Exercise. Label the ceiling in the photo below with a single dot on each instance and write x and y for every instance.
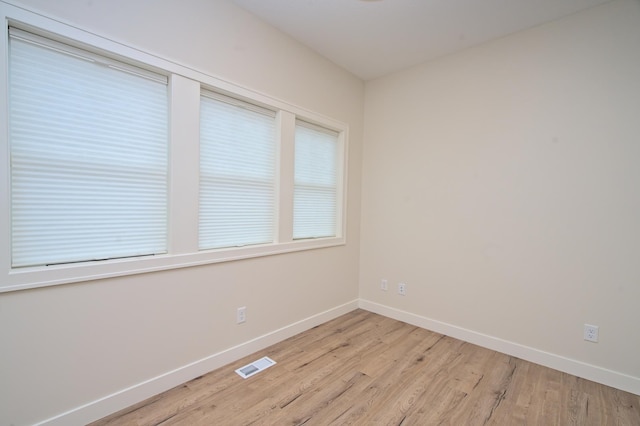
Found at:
(372, 38)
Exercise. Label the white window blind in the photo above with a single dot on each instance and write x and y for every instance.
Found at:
(88, 145)
(315, 181)
(237, 173)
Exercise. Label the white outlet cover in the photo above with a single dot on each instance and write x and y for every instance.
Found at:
(241, 315)
(591, 333)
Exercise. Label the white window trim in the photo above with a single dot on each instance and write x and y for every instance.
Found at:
(185, 87)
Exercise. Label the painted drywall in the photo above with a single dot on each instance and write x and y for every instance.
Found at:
(501, 185)
(66, 346)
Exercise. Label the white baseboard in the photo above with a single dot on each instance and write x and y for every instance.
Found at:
(126, 397)
(577, 368)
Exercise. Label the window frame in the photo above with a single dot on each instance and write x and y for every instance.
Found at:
(185, 86)
(88, 172)
(338, 176)
(256, 183)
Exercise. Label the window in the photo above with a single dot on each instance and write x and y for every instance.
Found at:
(88, 147)
(119, 162)
(237, 173)
(316, 179)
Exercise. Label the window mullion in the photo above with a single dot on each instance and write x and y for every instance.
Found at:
(184, 161)
(286, 126)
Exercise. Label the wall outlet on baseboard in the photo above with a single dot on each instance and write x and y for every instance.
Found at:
(241, 315)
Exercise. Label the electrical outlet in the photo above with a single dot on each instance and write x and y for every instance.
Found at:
(384, 285)
(591, 333)
(241, 315)
(402, 289)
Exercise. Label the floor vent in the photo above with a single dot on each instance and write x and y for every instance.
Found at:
(255, 367)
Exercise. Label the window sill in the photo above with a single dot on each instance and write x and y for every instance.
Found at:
(44, 276)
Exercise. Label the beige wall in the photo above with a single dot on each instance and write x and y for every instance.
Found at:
(502, 185)
(65, 346)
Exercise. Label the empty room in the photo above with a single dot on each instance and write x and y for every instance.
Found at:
(274, 212)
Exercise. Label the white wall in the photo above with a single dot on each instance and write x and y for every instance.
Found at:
(66, 346)
(502, 185)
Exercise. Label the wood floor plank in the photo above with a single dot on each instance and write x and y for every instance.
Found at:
(314, 407)
(365, 369)
(404, 371)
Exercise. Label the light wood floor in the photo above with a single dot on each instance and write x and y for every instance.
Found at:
(365, 369)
